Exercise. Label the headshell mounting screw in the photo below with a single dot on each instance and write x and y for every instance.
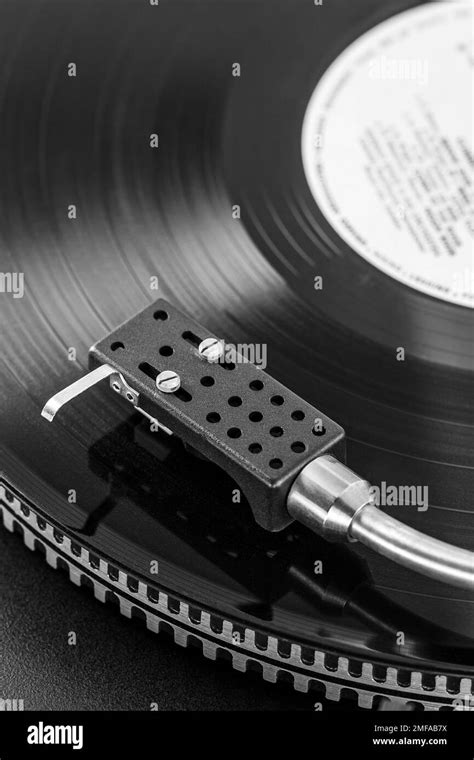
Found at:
(168, 381)
(211, 349)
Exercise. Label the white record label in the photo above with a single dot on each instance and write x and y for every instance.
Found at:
(387, 148)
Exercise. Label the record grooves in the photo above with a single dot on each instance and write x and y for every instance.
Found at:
(168, 213)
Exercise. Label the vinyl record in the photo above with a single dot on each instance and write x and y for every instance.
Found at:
(167, 145)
